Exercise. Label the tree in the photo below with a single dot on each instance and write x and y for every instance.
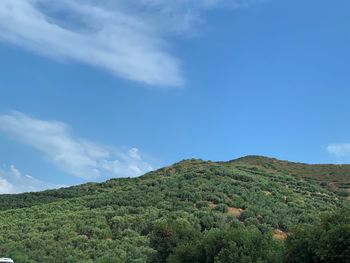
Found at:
(167, 235)
(328, 241)
(239, 245)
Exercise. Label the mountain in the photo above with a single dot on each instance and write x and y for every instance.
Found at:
(150, 218)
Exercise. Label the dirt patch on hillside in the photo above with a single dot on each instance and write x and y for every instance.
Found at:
(212, 205)
(279, 234)
(234, 211)
(230, 210)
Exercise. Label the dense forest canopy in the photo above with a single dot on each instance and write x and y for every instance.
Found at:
(253, 209)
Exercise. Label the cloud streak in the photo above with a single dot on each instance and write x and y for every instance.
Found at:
(129, 38)
(76, 156)
(339, 150)
(12, 181)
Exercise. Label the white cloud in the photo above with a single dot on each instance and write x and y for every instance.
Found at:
(76, 156)
(5, 186)
(126, 37)
(12, 181)
(339, 150)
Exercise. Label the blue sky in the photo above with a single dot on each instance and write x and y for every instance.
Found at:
(94, 91)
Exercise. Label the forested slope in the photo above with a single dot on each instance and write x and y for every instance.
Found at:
(156, 217)
(335, 176)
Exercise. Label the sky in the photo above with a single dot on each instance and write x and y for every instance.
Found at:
(92, 90)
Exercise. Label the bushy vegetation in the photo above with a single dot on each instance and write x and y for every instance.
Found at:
(335, 176)
(193, 211)
(327, 241)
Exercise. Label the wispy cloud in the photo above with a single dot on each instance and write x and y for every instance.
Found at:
(340, 150)
(129, 38)
(5, 186)
(12, 181)
(76, 156)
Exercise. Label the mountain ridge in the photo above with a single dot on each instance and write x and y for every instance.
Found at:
(123, 218)
(337, 181)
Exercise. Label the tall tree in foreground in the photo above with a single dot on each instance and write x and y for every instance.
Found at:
(328, 241)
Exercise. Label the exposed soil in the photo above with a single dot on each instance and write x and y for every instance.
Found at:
(212, 205)
(279, 234)
(234, 211)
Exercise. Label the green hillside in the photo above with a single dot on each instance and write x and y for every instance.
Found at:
(155, 218)
(335, 176)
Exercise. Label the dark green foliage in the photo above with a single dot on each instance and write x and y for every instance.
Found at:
(239, 245)
(327, 241)
(167, 235)
(193, 211)
(343, 193)
(49, 196)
